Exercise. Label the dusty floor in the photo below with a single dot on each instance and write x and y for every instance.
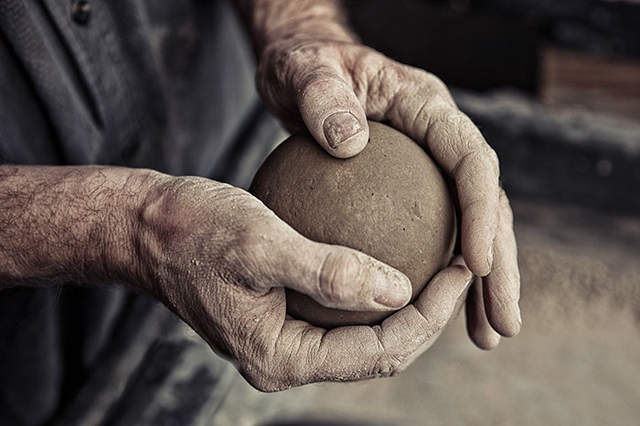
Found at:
(577, 360)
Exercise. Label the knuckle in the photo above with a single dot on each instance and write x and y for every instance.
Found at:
(457, 124)
(506, 207)
(361, 67)
(479, 158)
(339, 275)
(437, 324)
(492, 158)
(439, 102)
(319, 80)
(435, 85)
(446, 126)
(387, 365)
(451, 117)
(384, 85)
(388, 72)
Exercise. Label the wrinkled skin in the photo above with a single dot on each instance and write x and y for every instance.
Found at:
(332, 87)
(220, 259)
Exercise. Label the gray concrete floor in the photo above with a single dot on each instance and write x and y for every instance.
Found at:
(576, 361)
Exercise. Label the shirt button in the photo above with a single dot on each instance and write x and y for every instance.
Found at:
(81, 11)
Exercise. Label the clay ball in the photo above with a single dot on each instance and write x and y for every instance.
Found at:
(390, 202)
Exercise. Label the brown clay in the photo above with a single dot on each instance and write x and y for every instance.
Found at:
(390, 202)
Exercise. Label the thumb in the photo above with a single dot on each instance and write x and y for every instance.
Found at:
(342, 278)
(333, 114)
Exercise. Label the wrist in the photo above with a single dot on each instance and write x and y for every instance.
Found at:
(164, 222)
(125, 237)
(277, 22)
(68, 224)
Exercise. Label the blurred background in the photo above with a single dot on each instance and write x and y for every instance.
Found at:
(555, 88)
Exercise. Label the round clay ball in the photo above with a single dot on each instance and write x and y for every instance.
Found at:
(390, 202)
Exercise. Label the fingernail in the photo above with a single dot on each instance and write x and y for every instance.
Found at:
(392, 291)
(471, 280)
(519, 316)
(490, 259)
(339, 127)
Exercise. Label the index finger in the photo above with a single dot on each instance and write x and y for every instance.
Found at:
(423, 109)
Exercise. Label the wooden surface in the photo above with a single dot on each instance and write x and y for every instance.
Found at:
(590, 82)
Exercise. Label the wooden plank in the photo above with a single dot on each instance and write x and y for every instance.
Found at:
(590, 82)
(571, 157)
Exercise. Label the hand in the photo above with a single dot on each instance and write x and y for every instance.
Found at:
(220, 259)
(331, 87)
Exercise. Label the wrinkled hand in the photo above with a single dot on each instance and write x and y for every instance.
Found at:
(332, 87)
(220, 259)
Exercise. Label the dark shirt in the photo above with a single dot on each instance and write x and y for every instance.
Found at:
(166, 85)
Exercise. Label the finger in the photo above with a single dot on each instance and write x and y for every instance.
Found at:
(459, 260)
(478, 327)
(460, 303)
(502, 285)
(340, 277)
(306, 354)
(332, 113)
(402, 337)
(424, 110)
(431, 310)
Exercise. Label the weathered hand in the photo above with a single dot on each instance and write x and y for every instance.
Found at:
(331, 87)
(220, 259)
